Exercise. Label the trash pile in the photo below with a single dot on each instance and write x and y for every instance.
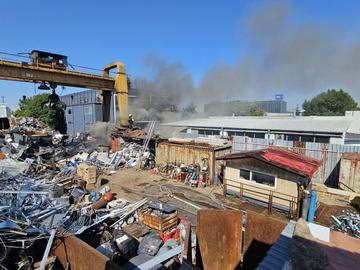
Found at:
(130, 155)
(347, 222)
(194, 175)
(48, 191)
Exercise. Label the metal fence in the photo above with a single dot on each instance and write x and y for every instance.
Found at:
(329, 154)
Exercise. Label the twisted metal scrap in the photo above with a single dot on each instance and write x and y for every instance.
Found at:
(347, 222)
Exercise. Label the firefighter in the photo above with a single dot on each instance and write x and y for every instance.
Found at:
(131, 121)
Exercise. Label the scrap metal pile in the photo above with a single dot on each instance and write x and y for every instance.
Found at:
(347, 222)
(48, 184)
(130, 155)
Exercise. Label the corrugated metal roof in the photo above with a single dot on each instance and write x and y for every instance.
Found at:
(281, 157)
(278, 256)
(333, 124)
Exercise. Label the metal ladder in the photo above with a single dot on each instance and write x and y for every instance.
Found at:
(148, 136)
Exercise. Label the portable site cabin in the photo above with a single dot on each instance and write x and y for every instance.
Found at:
(272, 177)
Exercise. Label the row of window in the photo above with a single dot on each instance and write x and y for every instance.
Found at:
(289, 137)
(258, 177)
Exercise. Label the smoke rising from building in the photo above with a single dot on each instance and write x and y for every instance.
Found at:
(298, 59)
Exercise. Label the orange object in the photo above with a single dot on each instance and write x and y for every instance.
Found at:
(2, 155)
(108, 196)
(174, 234)
(115, 144)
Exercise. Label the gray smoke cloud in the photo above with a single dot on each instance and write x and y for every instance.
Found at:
(167, 90)
(101, 132)
(287, 57)
(298, 59)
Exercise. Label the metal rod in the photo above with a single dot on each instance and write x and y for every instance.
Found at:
(23, 192)
(47, 250)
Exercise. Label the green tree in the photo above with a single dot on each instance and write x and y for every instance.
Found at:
(256, 111)
(31, 107)
(331, 102)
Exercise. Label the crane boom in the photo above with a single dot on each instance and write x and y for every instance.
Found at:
(27, 72)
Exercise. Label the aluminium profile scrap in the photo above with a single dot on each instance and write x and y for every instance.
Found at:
(83, 222)
(26, 211)
(347, 222)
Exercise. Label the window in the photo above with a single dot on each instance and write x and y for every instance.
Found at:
(265, 179)
(258, 177)
(245, 174)
(319, 139)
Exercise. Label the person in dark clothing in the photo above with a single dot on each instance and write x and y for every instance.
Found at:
(131, 121)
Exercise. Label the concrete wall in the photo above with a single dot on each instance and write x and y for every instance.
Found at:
(285, 188)
(325, 194)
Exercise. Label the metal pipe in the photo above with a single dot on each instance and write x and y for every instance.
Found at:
(23, 192)
(305, 206)
(312, 207)
(47, 250)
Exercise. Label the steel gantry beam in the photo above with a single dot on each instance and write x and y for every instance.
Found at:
(24, 72)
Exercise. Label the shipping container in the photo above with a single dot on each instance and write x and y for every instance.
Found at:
(83, 109)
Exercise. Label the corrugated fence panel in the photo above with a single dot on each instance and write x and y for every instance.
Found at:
(329, 154)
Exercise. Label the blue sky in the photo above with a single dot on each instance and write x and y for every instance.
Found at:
(199, 34)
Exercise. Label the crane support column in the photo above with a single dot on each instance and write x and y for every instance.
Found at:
(106, 103)
(121, 89)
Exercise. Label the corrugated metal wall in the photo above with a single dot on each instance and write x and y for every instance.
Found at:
(83, 109)
(329, 154)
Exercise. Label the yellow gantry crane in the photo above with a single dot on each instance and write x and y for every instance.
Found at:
(52, 69)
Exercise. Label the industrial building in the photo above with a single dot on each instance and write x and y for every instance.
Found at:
(323, 129)
(5, 114)
(242, 107)
(83, 109)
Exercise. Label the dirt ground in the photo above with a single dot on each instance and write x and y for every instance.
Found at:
(133, 184)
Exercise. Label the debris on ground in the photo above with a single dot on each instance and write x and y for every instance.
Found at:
(50, 189)
(194, 175)
(347, 222)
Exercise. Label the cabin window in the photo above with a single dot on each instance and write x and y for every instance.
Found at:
(245, 174)
(262, 178)
(258, 177)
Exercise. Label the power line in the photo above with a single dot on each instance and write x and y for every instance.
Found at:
(13, 54)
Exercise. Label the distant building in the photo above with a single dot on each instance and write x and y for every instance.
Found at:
(322, 129)
(5, 114)
(5, 111)
(241, 107)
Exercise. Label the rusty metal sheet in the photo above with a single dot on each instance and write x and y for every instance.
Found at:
(79, 254)
(262, 228)
(261, 232)
(219, 234)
